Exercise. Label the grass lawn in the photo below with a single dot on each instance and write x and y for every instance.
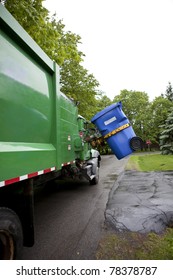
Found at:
(136, 246)
(150, 162)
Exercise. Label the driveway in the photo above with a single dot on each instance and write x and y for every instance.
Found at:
(141, 202)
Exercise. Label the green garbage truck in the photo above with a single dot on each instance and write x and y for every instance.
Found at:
(42, 137)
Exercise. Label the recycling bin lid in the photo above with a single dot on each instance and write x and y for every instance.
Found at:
(107, 109)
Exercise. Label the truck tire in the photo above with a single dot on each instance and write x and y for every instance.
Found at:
(11, 235)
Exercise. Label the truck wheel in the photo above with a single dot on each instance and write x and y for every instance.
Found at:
(95, 180)
(11, 235)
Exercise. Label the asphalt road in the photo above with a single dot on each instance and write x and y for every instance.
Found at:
(69, 218)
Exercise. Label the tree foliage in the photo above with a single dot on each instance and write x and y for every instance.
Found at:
(79, 85)
(159, 112)
(137, 107)
(49, 33)
(145, 116)
(102, 101)
(169, 92)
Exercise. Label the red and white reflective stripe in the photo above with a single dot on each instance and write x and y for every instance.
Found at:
(67, 163)
(26, 176)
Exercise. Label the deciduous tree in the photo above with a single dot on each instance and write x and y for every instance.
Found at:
(136, 106)
(78, 84)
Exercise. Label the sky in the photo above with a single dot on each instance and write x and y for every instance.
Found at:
(127, 43)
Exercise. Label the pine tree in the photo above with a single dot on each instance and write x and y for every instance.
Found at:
(169, 92)
(166, 137)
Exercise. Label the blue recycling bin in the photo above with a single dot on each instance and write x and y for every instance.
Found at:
(116, 129)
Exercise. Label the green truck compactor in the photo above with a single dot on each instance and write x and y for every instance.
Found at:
(42, 136)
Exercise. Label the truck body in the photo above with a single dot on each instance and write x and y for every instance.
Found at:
(42, 136)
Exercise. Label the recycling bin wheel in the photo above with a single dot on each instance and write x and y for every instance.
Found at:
(136, 143)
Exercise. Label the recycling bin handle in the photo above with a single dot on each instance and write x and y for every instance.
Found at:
(115, 131)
